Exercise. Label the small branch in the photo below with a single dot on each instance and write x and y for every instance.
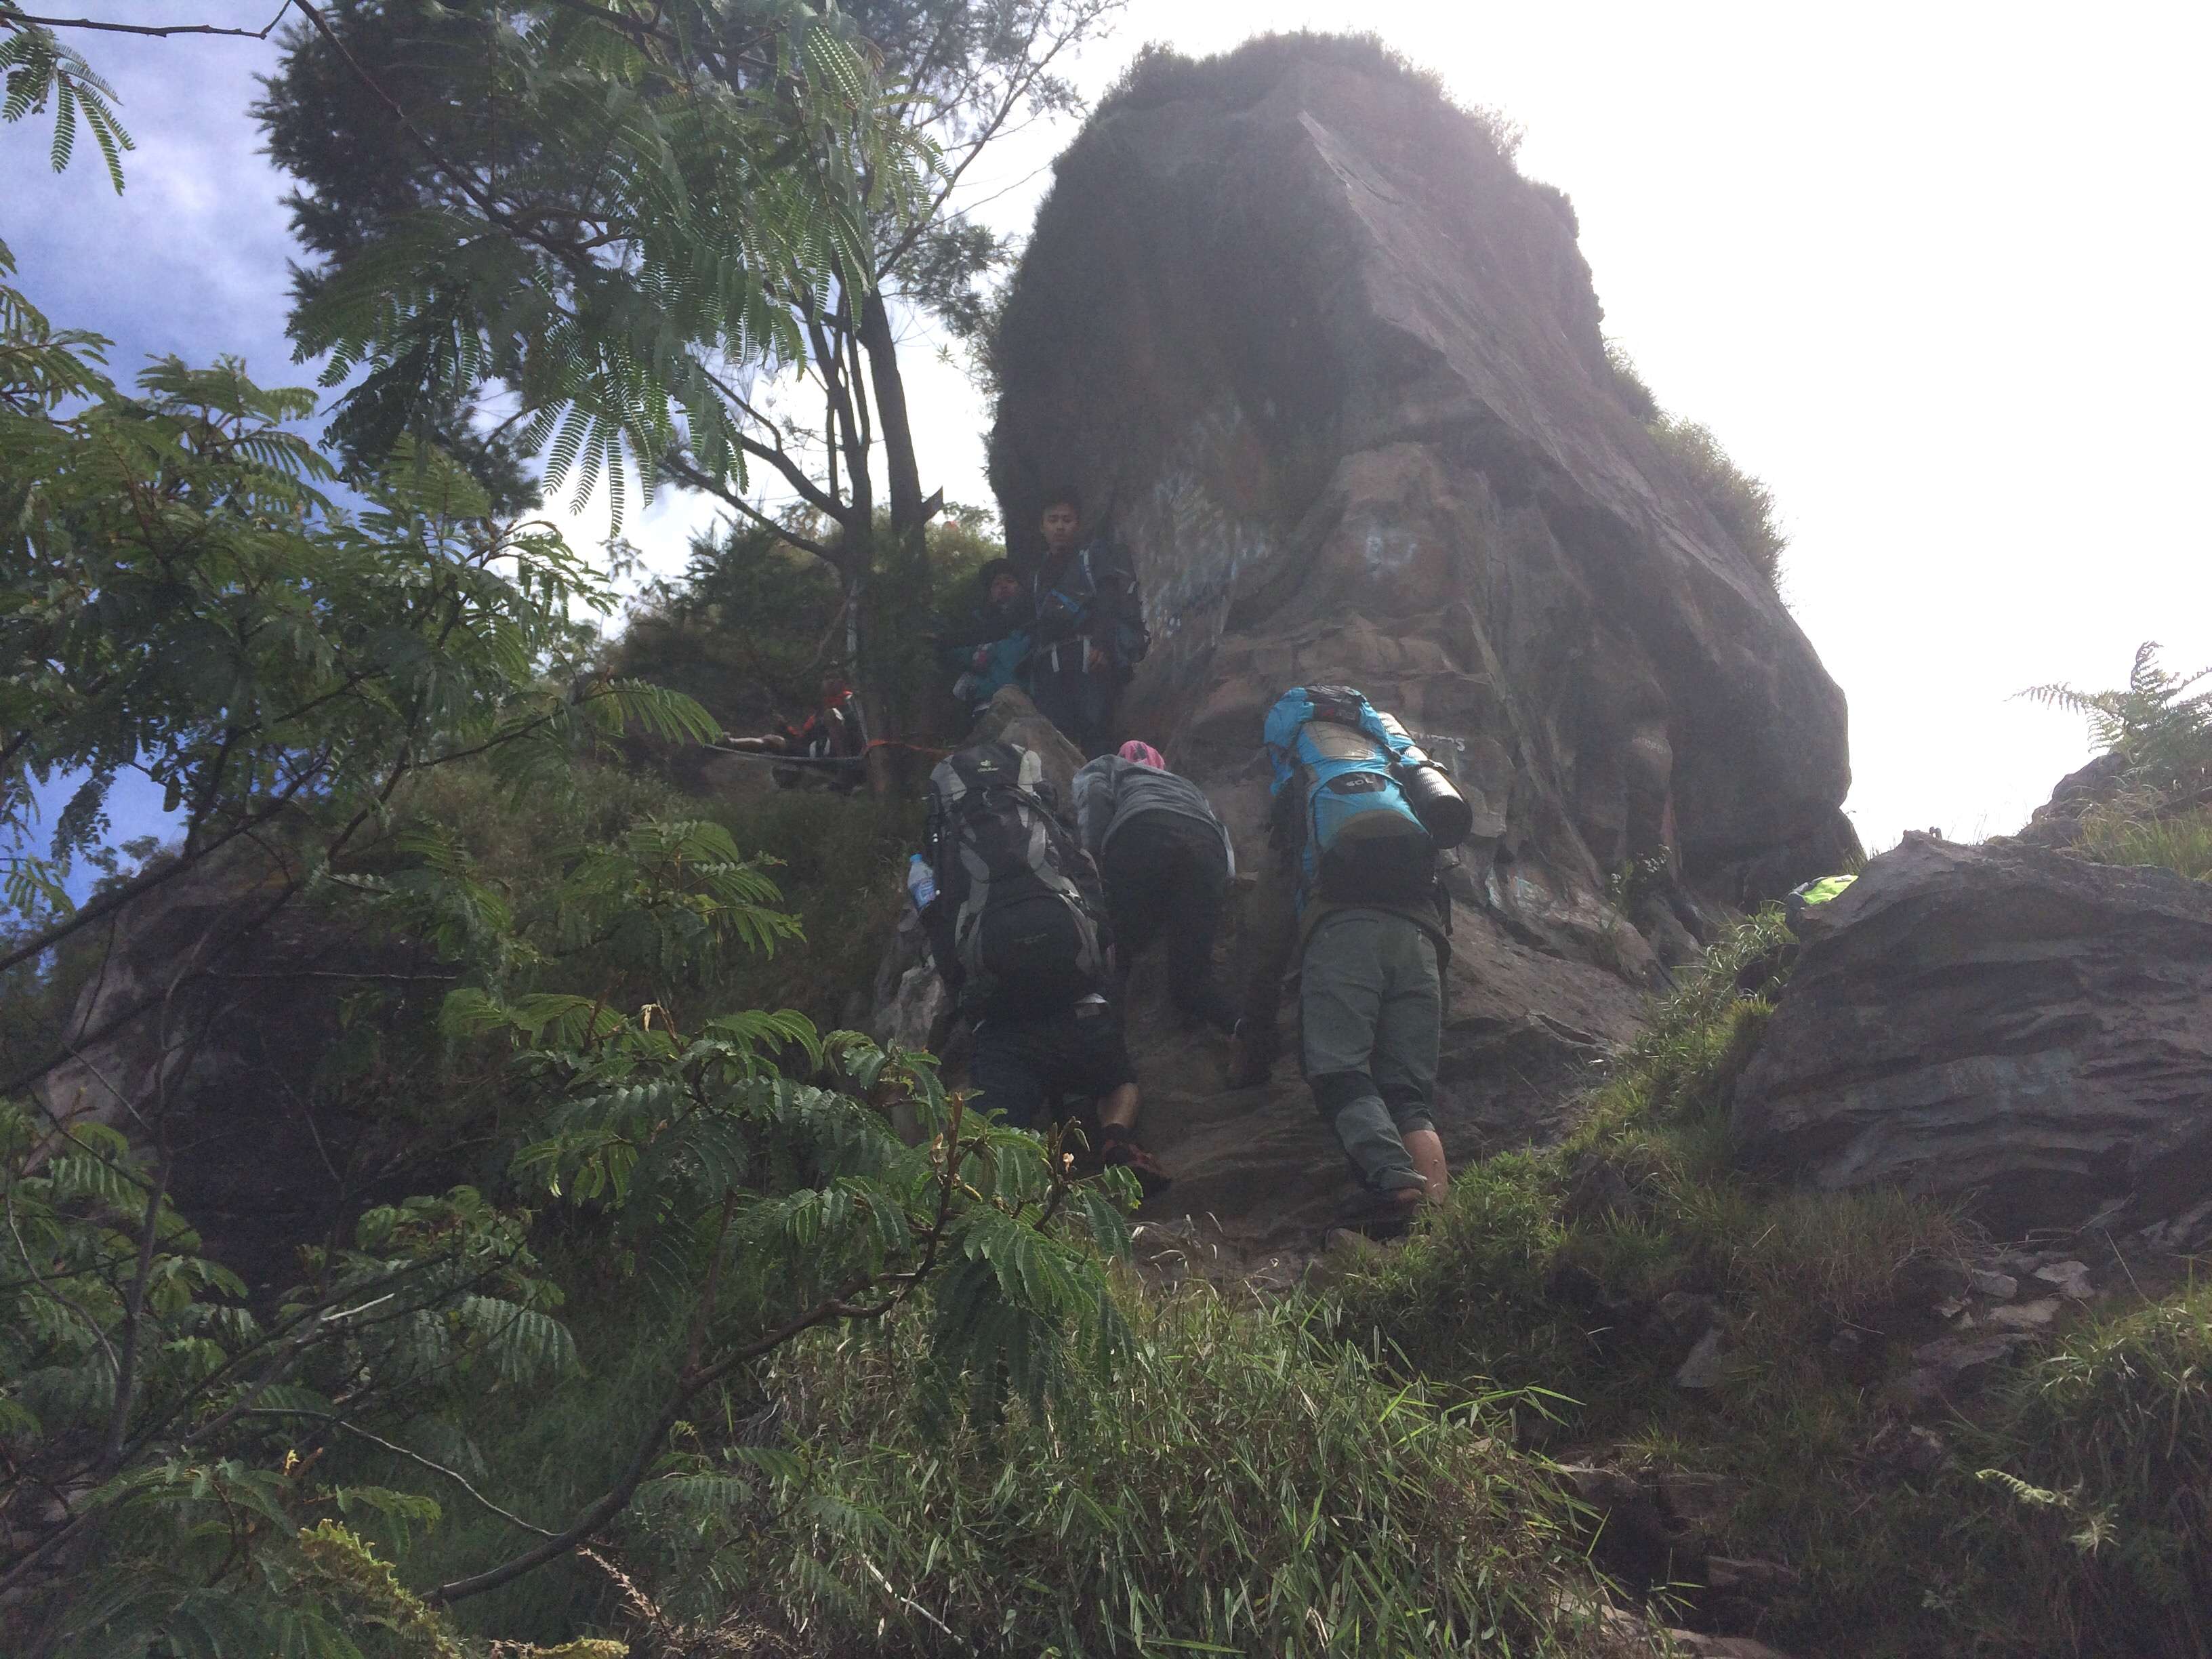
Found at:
(617, 1497)
(134, 1311)
(18, 18)
(332, 1420)
(677, 468)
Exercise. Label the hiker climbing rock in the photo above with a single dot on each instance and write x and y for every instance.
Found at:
(986, 644)
(1017, 930)
(1089, 630)
(831, 734)
(1803, 898)
(1167, 863)
(1358, 820)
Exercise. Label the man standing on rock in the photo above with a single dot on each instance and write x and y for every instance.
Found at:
(1355, 887)
(1167, 863)
(1089, 632)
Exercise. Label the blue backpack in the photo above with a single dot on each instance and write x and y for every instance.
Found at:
(1341, 758)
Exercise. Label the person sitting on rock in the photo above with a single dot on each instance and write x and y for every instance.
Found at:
(986, 644)
(830, 733)
(1354, 888)
(1167, 863)
(1089, 630)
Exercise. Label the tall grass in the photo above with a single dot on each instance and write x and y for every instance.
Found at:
(1250, 1486)
(2181, 842)
(2107, 1445)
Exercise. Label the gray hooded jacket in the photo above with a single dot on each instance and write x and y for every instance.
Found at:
(1110, 791)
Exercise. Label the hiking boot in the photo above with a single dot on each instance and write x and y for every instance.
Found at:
(1381, 1215)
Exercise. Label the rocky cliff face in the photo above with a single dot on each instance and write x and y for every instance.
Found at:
(1332, 370)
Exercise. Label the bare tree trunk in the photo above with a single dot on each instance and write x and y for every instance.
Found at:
(908, 512)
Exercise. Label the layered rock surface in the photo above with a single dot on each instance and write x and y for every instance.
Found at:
(217, 1028)
(2005, 1024)
(1332, 370)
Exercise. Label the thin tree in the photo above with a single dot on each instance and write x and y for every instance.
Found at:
(523, 194)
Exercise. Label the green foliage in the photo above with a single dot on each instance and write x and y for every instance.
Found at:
(1248, 1485)
(796, 1201)
(644, 230)
(2114, 1432)
(2157, 722)
(2159, 725)
(2068, 1518)
(136, 1374)
(2140, 830)
(1743, 506)
(752, 626)
(181, 599)
(839, 864)
(37, 67)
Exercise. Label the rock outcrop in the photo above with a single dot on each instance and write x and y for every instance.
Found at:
(2002, 1023)
(218, 1028)
(1332, 370)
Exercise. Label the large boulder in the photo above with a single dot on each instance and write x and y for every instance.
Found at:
(2005, 1024)
(1331, 369)
(232, 1022)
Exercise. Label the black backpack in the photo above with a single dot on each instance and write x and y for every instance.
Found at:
(1013, 933)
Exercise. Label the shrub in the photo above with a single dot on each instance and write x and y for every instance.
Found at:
(1744, 506)
(2105, 1450)
(753, 624)
(837, 862)
(2129, 832)
(1551, 1270)
(2159, 725)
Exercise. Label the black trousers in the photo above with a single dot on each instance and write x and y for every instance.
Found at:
(1074, 699)
(1165, 872)
(1028, 1068)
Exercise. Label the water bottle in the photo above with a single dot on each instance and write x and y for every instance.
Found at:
(921, 882)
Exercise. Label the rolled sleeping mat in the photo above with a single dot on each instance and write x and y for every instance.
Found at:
(1443, 810)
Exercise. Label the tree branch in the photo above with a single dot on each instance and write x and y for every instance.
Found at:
(86, 915)
(332, 1420)
(18, 18)
(838, 1306)
(682, 469)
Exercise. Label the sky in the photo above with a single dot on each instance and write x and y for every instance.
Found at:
(1935, 274)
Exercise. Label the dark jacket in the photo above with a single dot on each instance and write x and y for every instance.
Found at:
(1110, 791)
(1274, 928)
(1084, 601)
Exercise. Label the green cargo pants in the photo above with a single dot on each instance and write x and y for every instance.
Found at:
(1369, 1009)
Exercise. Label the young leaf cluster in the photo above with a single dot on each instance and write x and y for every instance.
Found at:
(36, 67)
